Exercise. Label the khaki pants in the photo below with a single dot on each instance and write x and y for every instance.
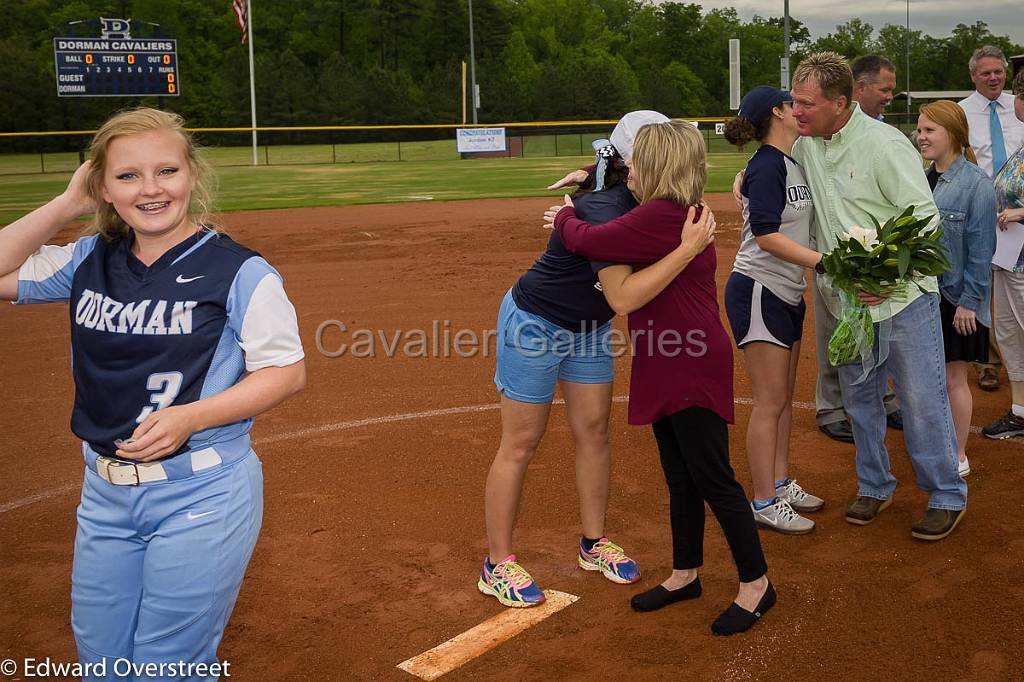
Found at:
(1008, 320)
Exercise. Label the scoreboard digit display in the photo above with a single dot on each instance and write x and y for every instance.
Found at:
(102, 67)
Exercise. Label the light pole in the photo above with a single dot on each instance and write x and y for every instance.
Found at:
(475, 99)
(908, 59)
(785, 50)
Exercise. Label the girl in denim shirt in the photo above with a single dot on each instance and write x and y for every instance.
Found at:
(967, 206)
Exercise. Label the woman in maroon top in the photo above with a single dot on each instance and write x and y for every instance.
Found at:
(682, 369)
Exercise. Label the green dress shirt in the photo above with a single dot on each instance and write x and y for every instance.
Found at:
(868, 168)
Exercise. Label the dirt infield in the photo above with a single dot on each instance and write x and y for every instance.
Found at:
(373, 533)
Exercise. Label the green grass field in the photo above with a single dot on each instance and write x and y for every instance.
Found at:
(363, 182)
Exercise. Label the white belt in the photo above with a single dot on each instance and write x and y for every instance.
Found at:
(116, 472)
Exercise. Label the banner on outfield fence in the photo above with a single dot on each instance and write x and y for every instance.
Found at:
(471, 140)
(115, 64)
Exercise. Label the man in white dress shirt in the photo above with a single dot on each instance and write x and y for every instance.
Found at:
(995, 133)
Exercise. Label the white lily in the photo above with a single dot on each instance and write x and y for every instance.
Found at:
(867, 237)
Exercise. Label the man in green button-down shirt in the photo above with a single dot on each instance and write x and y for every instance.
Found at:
(858, 167)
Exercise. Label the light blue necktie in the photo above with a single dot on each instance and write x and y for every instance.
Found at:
(995, 130)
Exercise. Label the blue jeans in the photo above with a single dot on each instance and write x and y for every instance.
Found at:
(918, 369)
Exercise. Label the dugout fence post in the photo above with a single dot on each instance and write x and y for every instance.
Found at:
(334, 153)
(266, 154)
(399, 150)
(42, 163)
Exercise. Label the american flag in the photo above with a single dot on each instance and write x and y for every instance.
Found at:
(241, 11)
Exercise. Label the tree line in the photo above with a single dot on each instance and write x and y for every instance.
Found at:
(340, 62)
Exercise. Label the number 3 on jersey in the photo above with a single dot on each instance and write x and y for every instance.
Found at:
(164, 387)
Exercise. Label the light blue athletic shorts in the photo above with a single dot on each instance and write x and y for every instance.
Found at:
(533, 355)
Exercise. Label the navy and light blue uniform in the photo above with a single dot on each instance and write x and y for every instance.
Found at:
(764, 294)
(554, 322)
(158, 565)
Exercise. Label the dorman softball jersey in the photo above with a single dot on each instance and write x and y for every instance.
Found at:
(775, 199)
(144, 338)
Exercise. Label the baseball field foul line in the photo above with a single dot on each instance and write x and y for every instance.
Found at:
(387, 419)
(478, 640)
(38, 497)
(342, 426)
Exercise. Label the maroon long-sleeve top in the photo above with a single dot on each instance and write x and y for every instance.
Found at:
(682, 356)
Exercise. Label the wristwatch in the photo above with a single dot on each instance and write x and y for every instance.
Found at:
(819, 267)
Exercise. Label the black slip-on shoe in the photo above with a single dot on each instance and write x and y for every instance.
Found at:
(736, 619)
(659, 597)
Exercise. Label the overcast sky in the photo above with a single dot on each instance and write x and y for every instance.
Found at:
(934, 17)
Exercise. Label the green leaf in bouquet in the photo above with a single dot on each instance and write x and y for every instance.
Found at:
(894, 238)
(856, 246)
(904, 260)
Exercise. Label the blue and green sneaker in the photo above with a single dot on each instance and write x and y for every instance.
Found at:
(611, 560)
(509, 583)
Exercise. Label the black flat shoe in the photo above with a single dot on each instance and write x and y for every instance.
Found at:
(841, 431)
(895, 420)
(736, 619)
(659, 597)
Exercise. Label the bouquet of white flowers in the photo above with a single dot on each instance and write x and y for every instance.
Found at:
(882, 261)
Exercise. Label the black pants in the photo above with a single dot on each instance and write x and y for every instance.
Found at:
(694, 449)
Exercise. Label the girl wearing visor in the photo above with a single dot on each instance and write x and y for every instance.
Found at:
(553, 331)
(764, 300)
(179, 337)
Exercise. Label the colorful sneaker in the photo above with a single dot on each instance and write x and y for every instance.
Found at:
(611, 560)
(1007, 426)
(798, 498)
(781, 517)
(509, 583)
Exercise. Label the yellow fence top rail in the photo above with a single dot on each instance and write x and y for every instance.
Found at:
(419, 126)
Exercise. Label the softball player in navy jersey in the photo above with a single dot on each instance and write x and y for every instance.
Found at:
(179, 338)
(764, 299)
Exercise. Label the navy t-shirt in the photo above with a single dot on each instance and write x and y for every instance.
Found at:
(776, 199)
(563, 287)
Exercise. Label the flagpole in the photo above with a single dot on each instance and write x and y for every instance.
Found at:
(252, 83)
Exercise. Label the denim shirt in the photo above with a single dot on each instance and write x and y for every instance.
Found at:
(967, 203)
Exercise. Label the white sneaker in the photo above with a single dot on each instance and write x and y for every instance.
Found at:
(781, 517)
(798, 498)
(964, 467)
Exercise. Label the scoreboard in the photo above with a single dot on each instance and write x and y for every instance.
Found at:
(102, 67)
